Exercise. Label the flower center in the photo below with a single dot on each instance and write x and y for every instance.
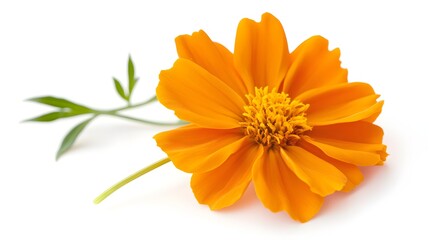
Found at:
(273, 118)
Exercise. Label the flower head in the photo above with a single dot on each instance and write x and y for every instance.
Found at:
(287, 121)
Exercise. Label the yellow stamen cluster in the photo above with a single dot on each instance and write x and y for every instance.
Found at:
(273, 119)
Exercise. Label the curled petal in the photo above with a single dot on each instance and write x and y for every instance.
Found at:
(360, 132)
(322, 177)
(261, 52)
(352, 172)
(213, 57)
(223, 186)
(194, 149)
(279, 189)
(199, 97)
(341, 103)
(313, 66)
(359, 154)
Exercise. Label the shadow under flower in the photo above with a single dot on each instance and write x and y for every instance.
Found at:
(369, 191)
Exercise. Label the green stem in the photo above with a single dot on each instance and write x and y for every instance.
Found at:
(153, 99)
(130, 178)
(114, 113)
(143, 120)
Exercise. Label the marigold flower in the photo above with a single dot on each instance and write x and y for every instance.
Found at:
(288, 122)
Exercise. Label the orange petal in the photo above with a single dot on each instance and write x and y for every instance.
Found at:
(359, 154)
(199, 97)
(213, 57)
(224, 185)
(313, 66)
(280, 189)
(373, 116)
(322, 177)
(261, 53)
(352, 172)
(340, 103)
(361, 132)
(195, 150)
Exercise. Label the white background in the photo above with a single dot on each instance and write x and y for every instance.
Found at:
(72, 49)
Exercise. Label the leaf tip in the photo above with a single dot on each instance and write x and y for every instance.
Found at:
(26, 120)
(58, 155)
(33, 99)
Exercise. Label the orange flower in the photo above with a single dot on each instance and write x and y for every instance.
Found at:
(288, 122)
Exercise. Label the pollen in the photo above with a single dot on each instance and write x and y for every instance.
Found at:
(272, 118)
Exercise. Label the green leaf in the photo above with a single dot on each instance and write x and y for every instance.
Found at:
(120, 89)
(52, 116)
(131, 77)
(70, 138)
(61, 103)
